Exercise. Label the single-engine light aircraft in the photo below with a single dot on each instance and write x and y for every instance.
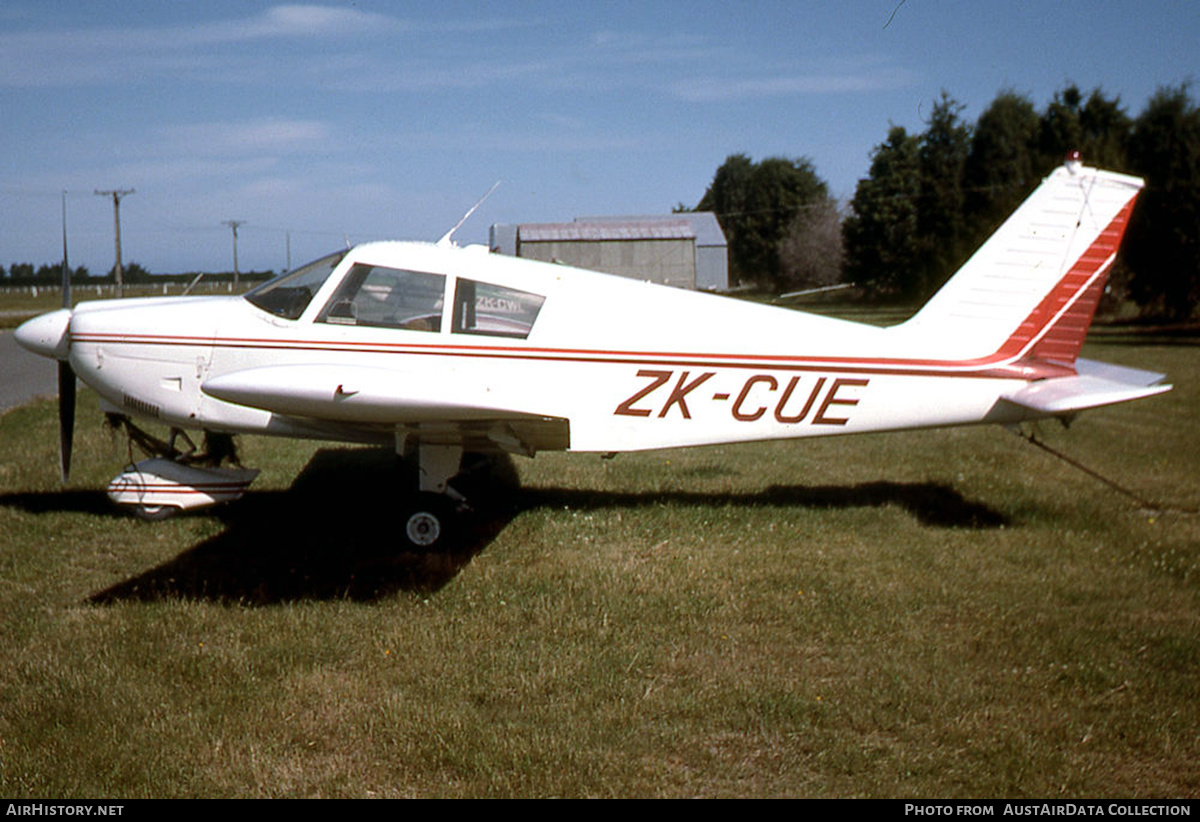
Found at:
(445, 352)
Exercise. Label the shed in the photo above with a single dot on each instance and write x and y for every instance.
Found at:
(685, 250)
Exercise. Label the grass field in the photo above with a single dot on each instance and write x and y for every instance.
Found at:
(932, 614)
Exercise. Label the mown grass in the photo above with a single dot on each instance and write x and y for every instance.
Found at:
(929, 614)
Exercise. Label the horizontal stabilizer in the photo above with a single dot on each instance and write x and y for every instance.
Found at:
(1095, 385)
(1117, 373)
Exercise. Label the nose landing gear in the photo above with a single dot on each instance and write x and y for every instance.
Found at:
(174, 480)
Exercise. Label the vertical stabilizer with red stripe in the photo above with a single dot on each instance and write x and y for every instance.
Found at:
(1029, 294)
(1022, 305)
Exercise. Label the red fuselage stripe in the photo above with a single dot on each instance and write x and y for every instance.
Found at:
(1003, 363)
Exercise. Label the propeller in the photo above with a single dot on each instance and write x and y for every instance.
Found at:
(66, 376)
(66, 416)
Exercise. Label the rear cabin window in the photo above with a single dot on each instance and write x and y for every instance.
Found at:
(494, 310)
(387, 298)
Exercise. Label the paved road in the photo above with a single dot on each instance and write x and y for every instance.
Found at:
(23, 376)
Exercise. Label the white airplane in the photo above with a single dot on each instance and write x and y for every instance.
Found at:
(442, 351)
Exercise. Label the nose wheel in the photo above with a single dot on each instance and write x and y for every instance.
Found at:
(154, 513)
(174, 480)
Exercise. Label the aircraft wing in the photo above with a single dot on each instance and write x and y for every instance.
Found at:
(443, 410)
(1095, 384)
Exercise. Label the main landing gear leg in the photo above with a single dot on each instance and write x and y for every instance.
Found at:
(428, 517)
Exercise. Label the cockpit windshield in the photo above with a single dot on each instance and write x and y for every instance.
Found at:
(289, 294)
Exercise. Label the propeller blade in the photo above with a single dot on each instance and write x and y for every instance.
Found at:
(66, 377)
(66, 416)
(66, 267)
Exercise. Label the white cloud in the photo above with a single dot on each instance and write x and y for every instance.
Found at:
(724, 89)
(70, 57)
(652, 47)
(280, 22)
(367, 73)
(308, 20)
(168, 172)
(254, 137)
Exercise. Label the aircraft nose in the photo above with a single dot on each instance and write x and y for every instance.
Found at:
(47, 335)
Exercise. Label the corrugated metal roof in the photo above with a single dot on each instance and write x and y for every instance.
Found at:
(606, 230)
(704, 224)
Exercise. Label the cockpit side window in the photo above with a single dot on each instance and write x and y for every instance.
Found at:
(494, 310)
(387, 298)
(289, 294)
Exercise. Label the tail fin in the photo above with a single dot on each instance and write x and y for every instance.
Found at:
(1030, 292)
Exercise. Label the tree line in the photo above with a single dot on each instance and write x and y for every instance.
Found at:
(930, 199)
(50, 274)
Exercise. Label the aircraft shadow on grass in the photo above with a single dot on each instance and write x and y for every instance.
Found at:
(334, 533)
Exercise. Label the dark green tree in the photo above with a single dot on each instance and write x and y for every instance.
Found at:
(1004, 164)
(1061, 127)
(941, 204)
(881, 231)
(1106, 132)
(726, 197)
(130, 273)
(48, 273)
(1097, 127)
(756, 205)
(1163, 247)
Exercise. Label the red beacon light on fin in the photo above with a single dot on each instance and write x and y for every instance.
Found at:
(1073, 161)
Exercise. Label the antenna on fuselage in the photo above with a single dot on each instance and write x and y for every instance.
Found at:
(445, 241)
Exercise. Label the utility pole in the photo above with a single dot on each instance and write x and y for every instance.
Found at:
(116, 195)
(234, 225)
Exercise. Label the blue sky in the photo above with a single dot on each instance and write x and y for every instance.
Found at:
(375, 120)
